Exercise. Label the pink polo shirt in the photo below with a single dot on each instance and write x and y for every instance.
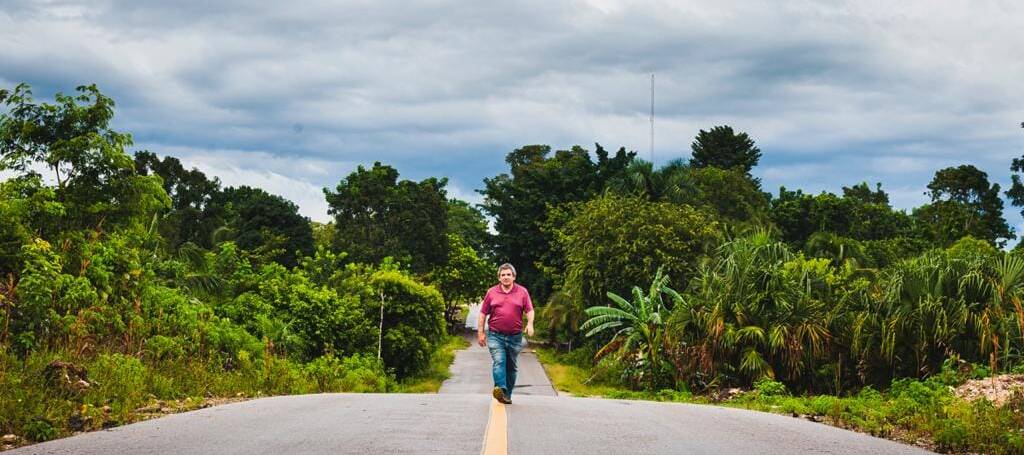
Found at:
(507, 308)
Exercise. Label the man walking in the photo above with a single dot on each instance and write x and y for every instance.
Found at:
(505, 304)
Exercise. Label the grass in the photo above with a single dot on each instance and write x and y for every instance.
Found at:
(572, 379)
(430, 381)
(925, 413)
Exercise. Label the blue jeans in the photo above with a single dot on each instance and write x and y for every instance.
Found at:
(504, 350)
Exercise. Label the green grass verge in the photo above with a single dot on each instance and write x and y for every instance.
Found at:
(571, 379)
(430, 381)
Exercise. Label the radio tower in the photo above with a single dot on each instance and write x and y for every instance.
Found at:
(652, 120)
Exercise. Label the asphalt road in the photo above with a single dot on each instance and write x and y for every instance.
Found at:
(471, 373)
(455, 421)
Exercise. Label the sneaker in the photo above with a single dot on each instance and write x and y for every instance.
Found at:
(499, 395)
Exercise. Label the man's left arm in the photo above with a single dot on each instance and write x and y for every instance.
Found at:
(529, 323)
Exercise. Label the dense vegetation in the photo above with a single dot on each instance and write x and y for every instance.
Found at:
(133, 282)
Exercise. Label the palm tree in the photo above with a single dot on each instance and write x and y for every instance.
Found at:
(997, 315)
(638, 325)
(840, 250)
(200, 276)
(755, 311)
(926, 309)
(670, 183)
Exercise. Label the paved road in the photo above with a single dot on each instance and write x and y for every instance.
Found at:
(471, 373)
(456, 420)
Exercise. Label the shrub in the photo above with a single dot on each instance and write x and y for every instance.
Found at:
(358, 373)
(323, 319)
(160, 347)
(40, 430)
(413, 320)
(767, 387)
(826, 405)
(950, 434)
(365, 373)
(325, 372)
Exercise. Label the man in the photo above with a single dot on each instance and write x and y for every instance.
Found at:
(505, 303)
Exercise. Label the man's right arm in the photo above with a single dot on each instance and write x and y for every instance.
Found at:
(485, 307)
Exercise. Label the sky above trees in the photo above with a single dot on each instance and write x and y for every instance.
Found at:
(290, 99)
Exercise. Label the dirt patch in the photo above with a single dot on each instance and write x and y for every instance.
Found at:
(162, 408)
(997, 389)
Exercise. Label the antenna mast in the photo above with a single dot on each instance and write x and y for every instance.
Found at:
(652, 119)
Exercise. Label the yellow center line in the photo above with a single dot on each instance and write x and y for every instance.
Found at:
(496, 439)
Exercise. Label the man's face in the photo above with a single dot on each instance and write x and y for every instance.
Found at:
(506, 277)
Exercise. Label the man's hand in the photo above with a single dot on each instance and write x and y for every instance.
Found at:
(481, 338)
(529, 330)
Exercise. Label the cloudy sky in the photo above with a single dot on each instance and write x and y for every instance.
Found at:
(292, 96)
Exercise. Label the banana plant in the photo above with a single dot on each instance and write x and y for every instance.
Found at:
(638, 325)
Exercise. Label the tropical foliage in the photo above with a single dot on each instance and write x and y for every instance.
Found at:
(638, 329)
(129, 280)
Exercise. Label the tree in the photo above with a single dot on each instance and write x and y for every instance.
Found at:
(862, 193)
(963, 203)
(670, 183)
(722, 148)
(1016, 191)
(267, 222)
(464, 278)
(520, 202)
(323, 234)
(858, 215)
(97, 186)
(192, 216)
(790, 212)
(469, 223)
(612, 242)
(730, 193)
(376, 216)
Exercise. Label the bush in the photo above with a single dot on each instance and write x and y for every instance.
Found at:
(160, 347)
(325, 372)
(826, 405)
(950, 434)
(582, 356)
(767, 387)
(358, 373)
(323, 319)
(40, 430)
(364, 373)
(413, 321)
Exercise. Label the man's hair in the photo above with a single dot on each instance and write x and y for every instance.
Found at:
(506, 266)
